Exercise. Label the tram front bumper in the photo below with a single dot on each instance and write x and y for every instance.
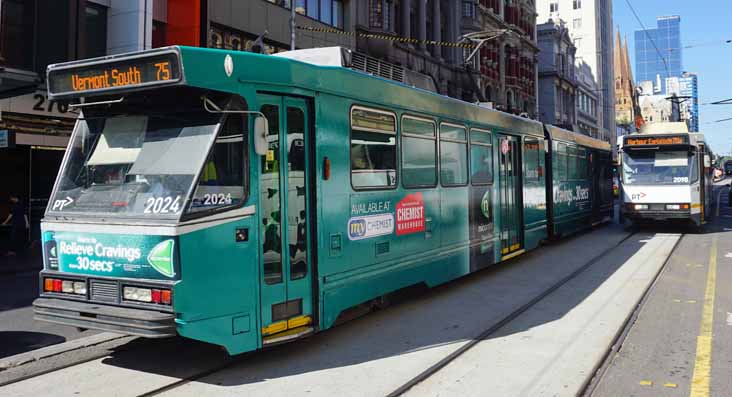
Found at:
(146, 323)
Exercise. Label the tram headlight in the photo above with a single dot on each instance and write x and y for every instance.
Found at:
(673, 206)
(137, 294)
(80, 287)
(640, 207)
(67, 286)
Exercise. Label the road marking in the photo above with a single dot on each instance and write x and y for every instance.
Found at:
(645, 383)
(677, 300)
(728, 255)
(729, 318)
(691, 301)
(703, 363)
(671, 385)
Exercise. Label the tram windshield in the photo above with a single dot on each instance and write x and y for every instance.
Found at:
(659, 168)
(137, 161)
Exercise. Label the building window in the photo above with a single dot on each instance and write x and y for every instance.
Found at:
(468, 9)
(577, 4)
(95, 29)
(577, 23)
(380, 14)
(326, 11)
(553, 7)
(17, 20)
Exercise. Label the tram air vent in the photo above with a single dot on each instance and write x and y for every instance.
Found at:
(376, 67)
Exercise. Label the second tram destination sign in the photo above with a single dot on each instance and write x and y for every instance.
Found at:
(113, 74)
(656, 140)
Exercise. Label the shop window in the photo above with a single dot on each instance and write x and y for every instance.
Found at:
(17, 19)
(95, 29)
(453, 155)
(419, 152)
(159, 34)
(373, 149)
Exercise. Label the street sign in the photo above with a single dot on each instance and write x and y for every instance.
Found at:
(4, 139)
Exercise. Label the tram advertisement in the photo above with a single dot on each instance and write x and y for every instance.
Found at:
(112, 255)
(481, 226)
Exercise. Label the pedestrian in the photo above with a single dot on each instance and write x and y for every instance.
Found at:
(19, 225)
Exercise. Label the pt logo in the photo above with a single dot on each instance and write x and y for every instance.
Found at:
(637, 196)
(59, 205)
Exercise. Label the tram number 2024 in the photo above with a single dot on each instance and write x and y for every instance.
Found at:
(217, 199)
(162, 205)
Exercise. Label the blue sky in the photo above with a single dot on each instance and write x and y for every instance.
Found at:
(705, 23)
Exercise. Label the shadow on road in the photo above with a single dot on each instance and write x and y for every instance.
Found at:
(15, 342)
(447, 315)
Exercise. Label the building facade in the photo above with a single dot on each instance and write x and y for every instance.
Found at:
(588, 102)
(658, 52)
(503, 71)
(557, 81)
(626, 95)
(659, 109)
(686, 88)
(590, 27)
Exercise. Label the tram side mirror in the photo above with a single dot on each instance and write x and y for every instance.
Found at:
(707, 161)
(261, 127)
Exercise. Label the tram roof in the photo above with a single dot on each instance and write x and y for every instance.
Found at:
(561, 134)
(208, 68)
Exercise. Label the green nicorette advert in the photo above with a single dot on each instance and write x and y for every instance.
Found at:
(112, 255)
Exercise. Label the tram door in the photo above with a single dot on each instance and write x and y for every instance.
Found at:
(509, 179)
(285, 255)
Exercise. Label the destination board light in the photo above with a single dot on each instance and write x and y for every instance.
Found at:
(114, 75)
(656, 140)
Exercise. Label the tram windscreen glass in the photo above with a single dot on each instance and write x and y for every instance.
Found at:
(138, 163)
(659, 168)
(108, 76)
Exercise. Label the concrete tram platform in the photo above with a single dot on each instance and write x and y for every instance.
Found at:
(681, 342)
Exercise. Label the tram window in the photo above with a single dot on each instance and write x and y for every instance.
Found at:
(560, 162)
(296, 196)
(373, 149)
(571, 163)
(453, 155)
(221, 183)
(481, 157)
(269, 186)
(419, 153)
(531, 156)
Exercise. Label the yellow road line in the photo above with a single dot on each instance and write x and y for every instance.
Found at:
(703, 363)
(645, 383)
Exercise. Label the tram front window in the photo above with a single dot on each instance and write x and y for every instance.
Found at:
(133, 163)
(659, 168)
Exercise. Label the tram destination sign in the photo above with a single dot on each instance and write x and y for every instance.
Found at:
(657, 140)
(113, 75)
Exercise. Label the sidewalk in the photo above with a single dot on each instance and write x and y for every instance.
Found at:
(30, 261)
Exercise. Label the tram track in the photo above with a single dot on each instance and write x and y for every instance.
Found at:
(227, 362)
(432, 370)
(443, 362)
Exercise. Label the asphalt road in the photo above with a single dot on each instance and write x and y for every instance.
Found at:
(18, 331)
(665, 350)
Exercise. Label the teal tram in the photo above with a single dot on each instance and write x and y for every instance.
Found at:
(246, 200)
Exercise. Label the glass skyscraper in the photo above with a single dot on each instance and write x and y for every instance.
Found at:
(649, 66)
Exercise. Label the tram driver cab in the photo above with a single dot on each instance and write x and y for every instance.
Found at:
(665, 174)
